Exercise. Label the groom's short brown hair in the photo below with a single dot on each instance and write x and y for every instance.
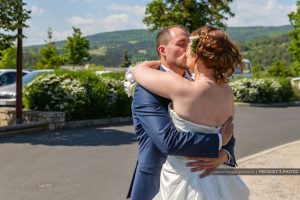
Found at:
(163, 36)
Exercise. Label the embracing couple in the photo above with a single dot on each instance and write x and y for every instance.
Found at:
(184, 123)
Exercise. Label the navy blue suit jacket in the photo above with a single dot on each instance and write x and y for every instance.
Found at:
(158, 137)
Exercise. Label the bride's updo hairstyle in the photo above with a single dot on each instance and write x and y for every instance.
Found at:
(212, 46)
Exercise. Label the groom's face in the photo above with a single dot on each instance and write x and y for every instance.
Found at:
(175, 50)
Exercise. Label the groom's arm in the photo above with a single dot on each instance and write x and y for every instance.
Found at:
(229, 148)
(155, 120)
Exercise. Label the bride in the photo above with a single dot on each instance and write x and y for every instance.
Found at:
(202, 105)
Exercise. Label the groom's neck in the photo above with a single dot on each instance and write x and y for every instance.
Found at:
(177, 70)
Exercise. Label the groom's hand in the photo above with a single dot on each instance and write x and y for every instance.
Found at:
(207, 164)
(227, 131)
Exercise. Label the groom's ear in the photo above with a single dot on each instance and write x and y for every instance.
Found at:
(162, 50)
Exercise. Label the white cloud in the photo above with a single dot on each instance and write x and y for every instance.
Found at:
(136, 10)
(81, 21)
(87, 1)
(259, 13)
(36, 35)
(36, 10)
(122, 17)
(92, 24)
(62, 35)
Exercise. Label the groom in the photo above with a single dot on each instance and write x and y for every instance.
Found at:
(156, 133)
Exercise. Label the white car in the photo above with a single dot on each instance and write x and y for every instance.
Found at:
(8, 76)
(296, 82)
(8, 92)
(247, 72)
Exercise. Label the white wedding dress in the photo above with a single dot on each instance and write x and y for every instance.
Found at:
(177, 182)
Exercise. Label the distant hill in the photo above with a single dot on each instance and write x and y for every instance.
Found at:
(263, 51)
(242, 34)
(107, 48)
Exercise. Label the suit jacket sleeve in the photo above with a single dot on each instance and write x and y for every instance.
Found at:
(155, 120)
(229, 147)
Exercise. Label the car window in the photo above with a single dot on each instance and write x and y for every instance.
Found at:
(29, 77)
(12, 77)
(8, 78)
(3, 79)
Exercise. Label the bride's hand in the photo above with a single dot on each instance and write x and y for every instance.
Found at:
(207, 164)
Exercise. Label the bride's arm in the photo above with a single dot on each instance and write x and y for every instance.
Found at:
(165, 84)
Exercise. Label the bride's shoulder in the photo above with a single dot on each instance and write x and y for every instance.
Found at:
(228, 88)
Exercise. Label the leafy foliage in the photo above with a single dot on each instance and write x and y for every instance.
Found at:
(114, 75)
(12, 17)
(56, 92)
(190, 13)
(80, 94)
(278, 69)
(264, 51)
(8, 59)
(126, 59)
(295, 67)
(49, 55)
(295, 38)
(77, 48)
(262, 90)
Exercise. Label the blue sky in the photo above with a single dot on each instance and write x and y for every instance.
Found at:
(95, 16)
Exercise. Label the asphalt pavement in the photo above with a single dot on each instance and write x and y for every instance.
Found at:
(97, 162)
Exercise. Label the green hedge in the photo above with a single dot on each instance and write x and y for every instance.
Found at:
(262, 90)
(114, 75)
(81, 95)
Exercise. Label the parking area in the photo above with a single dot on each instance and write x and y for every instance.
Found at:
(98, 162)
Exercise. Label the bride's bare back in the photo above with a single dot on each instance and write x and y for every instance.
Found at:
(205, 102)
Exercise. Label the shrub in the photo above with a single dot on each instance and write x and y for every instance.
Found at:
(80, 94)
(295, 66)
(120, 103)
(56, 93)
(94, 67)
(263, 90)
(114, 75)
(278, 69)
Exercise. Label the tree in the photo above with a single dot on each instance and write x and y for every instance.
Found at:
(49, 54)
(190, 13)
(126, 59)
(278, 69)
(295, 39)
(8, 59)
(77, 48)
(10, 20)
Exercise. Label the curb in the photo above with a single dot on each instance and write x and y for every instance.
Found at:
(97, 122)
(43, 125)
(283, 104)
(24, 128)
(244, 159)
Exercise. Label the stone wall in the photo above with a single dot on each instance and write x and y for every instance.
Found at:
(56, 120)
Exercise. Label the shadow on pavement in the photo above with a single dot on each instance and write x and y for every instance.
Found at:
(79, 137)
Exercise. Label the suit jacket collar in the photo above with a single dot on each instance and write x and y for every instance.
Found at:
(186, 73)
